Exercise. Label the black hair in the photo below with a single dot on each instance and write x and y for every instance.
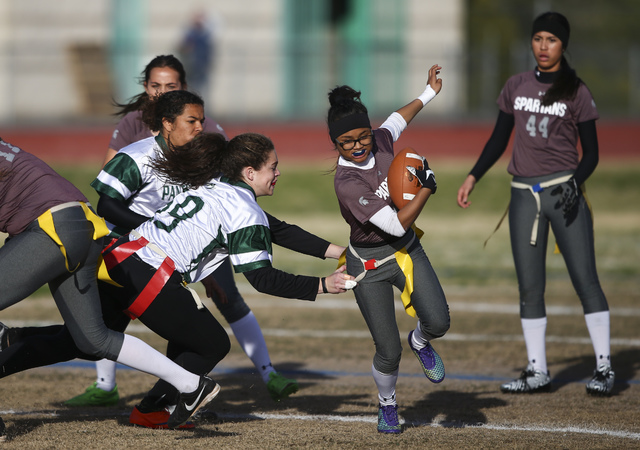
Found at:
(344, 101)
(566, 84)
(208, 155)
(136, 103)
(193, 164)
(347, 112)
(167, 106)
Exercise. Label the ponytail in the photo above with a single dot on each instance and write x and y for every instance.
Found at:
(565, 87)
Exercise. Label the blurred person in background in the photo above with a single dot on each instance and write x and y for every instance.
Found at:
(55, 238)
(384, 250)
(197, 50)
(550, 109)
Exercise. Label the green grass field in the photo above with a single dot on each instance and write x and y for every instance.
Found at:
(454, 237)
(325, 344)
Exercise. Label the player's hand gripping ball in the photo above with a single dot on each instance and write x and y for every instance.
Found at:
(404, 183)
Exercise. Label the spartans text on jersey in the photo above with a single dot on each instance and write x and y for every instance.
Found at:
(534, 105)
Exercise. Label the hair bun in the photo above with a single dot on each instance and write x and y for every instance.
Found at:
(343, 94)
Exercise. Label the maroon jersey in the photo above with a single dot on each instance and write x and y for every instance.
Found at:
(28, 188)
(132, 129)
(546, 137)
(362, 191)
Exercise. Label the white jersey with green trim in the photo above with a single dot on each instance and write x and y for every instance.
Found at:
(128, 177)
(202, 227)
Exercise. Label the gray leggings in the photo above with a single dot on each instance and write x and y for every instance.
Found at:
(574, 236)
(32, 259)
(375, 298)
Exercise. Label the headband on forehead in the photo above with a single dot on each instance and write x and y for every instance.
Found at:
(348, 123)
(551, 24)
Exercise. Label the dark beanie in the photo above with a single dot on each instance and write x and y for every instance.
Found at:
(554, 23)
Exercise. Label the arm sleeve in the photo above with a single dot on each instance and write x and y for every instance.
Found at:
(590, 152)
(495, 146)
(295, 238)
(396, 124)
(118, 214)
(387, 220)
(272, 281)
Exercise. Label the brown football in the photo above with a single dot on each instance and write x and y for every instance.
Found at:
(403, 186)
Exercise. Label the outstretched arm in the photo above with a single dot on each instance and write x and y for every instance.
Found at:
(434, 84)
(270, 280)
(299, 240)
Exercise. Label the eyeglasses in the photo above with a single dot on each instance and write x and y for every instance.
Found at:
(350, 143)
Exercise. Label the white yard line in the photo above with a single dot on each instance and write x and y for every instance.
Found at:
(372, 419)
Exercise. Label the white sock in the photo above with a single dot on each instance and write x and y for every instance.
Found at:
(106, 374)
(141, 356)
(386, 384)
(534, 331)
(418, 339)
(250, 337)
(598, 326)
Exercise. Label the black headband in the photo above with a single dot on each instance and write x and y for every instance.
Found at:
(348, 123)
(548, 24)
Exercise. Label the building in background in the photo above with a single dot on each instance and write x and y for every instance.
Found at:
(277, 59)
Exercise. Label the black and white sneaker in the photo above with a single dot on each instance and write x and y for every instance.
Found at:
(530, 381)
(602, 381)
(189, 404)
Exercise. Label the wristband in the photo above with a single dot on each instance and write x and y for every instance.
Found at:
(324, 285)
(427, 95)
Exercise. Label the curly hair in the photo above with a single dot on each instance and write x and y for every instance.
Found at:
(192, 164)
(167, 106)
(209, 155)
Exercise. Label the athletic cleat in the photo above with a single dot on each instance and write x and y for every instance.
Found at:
(602, 381)
(388, 419)
(155, 419)
(530, 381)
(189, 404)
(94, 396)
(429, 360)
(280, 387)
(4, 336)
